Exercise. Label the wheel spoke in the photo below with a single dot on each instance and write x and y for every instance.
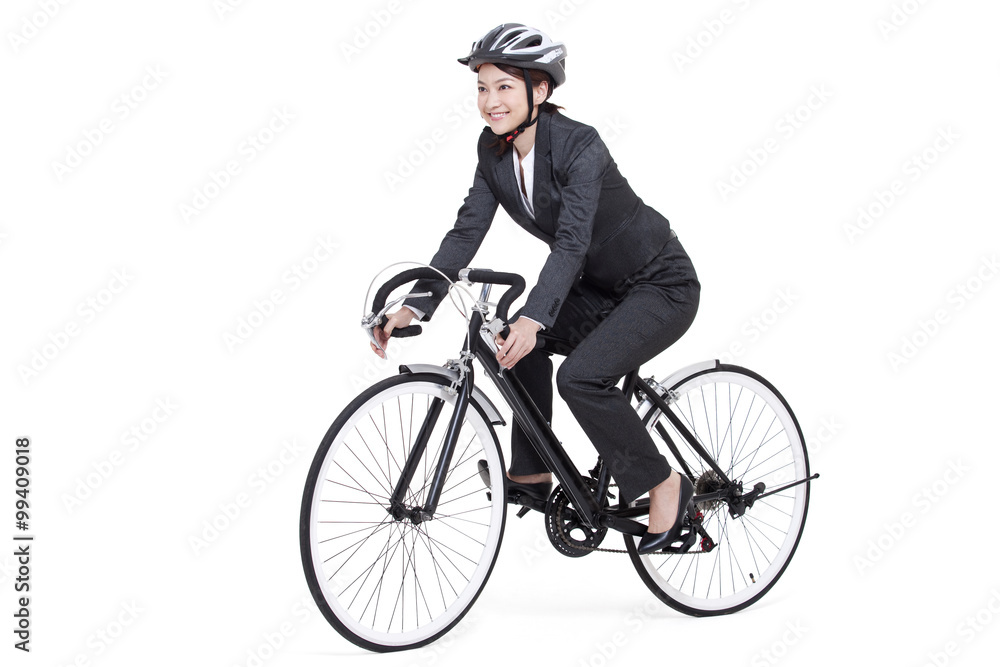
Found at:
(769, 472)
(744, 424)
(764, 502)
(379, 573)
(355, 488)
(442, 522)
(386, 487)
(761, 445)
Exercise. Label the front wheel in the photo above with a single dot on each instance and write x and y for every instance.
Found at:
(747, 426)
(383, 577)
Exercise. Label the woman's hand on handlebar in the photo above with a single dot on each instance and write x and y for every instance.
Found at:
(519, 342)
(396, 320)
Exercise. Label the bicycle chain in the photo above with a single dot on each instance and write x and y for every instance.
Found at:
(562, 536)
(565, 539)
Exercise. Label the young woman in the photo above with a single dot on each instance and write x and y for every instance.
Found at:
(617, 283)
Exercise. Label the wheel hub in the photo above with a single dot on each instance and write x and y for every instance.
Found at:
(415, 515)
(708, 482)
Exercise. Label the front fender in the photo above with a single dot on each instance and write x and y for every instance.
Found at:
(478, 396)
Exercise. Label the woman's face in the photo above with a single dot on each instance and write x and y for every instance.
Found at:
(502, 99)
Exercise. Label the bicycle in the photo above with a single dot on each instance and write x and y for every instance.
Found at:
(399, 530)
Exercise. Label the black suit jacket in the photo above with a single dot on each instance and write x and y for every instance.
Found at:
(585, 210)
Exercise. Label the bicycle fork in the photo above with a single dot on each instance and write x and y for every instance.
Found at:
(420, 514)
(463, 387)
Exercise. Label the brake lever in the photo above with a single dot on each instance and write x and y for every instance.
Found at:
(370, 330)
(371, 320)
(490, 331)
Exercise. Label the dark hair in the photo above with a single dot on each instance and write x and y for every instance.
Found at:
(537, 76)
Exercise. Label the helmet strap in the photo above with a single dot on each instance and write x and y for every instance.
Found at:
(529, 121)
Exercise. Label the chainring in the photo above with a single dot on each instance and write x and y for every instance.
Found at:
(567, 532)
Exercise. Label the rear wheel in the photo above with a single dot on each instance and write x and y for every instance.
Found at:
(385, 579)
(739, 418)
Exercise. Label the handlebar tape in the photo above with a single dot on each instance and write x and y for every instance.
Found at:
(515, 282)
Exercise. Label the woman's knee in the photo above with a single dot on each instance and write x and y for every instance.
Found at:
(565, 379)
(573, 379)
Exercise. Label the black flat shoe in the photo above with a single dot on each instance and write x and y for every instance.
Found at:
(517, 493)
(651, 542)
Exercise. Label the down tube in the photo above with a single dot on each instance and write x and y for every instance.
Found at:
(526, 414)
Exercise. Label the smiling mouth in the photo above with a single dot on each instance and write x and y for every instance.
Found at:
(498, 116)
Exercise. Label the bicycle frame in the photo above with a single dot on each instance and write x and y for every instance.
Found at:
(528, 417)
(550, 450)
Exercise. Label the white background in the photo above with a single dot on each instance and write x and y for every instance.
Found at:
(863, 587)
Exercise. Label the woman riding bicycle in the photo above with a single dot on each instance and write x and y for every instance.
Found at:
(617, 283)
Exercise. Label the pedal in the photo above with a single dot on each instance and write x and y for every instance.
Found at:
(526, 502)
(689, 539)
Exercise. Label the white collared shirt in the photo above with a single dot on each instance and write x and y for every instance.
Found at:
(528, 165)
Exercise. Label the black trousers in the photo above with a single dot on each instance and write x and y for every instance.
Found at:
(612, 332)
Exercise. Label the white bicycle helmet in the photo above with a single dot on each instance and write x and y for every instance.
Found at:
(518, 45)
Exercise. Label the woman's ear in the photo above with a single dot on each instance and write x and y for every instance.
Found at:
(541, 92)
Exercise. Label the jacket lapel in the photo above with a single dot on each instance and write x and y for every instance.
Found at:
(511, 200)
(510, 196)
(542, 198)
